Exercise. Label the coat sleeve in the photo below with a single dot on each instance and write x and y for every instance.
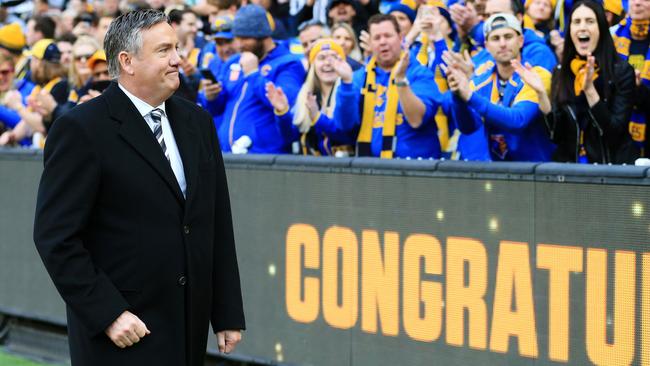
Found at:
(227, 304)
(65, 203)
(612, 118)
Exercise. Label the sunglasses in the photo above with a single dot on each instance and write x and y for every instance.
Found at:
(82, 57)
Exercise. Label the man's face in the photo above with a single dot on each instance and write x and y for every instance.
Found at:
(187, 28)
(155, 67)
(497, 6)
(252, 45)
(309, 36)
(102, 28)
(404, 22)
(639, 9)
(385, 43)
(31, 35)
(100, 71)
(504, 44)
(225, 48)
(66, 52)
(342, 13)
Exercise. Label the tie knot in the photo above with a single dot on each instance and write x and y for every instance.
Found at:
(156, 115)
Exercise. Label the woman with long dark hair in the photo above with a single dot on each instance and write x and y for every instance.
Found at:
(592, 91)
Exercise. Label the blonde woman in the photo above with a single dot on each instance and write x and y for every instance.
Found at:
(344, 35)
(312, 116)
(80, 74)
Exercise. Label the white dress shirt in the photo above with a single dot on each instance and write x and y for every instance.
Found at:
(168, 135)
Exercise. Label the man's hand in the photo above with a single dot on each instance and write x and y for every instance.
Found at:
(188, 68)
(249, 63)
(404, 62)
(211, 89)
(127, 330)
(458, 82)
(227, 340)
(462, 62)
(277, 98)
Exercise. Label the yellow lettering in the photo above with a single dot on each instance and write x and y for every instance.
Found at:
(621, 351)
(422, 326)
(513, 276)
(471, 296)
(560, 261)
(380, 283)
(340, 239)
(302, 306)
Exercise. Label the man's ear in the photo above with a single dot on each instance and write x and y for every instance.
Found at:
(125, 60)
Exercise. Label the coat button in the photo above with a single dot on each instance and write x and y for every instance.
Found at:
(182, 280)
(186, 229)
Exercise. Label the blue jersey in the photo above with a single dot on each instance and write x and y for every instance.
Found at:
(505, 117)
(245, 108)
(421, 142)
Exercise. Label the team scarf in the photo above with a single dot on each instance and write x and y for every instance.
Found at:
(579, 69)
(622, 40)
(390, 113)
(441, 119)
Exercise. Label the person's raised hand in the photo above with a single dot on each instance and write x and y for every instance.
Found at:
(589, 75)
(343, 69)
(403, 65)
(529, 76)
(249, 63)
(276, 97)
(13, 99)
(312, 106)
(364, 43)
(211, 89)
(127, 330)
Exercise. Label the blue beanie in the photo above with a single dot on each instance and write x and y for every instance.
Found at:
(252, 21)
(407, 7)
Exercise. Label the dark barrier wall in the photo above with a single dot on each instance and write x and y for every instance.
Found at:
(368, 262)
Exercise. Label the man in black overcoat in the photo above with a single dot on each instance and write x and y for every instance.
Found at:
(133, 217)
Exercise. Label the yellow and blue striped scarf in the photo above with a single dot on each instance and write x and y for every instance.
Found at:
(622, 41)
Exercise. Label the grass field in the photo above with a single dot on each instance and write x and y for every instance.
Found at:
(7, 359)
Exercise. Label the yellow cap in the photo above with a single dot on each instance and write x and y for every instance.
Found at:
(46, 49)
(325, 44)
(613, 6)
(99, 55)
(12, 38)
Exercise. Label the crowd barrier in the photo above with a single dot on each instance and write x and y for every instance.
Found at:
(360, 261)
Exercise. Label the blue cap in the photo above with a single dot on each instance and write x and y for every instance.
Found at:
(407, 7)
(252, 21)
(222, 27)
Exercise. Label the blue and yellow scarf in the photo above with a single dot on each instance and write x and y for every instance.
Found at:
(622, 41)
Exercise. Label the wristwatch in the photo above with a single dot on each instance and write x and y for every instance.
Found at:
(401, 82)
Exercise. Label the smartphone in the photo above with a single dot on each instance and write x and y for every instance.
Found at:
(207, 74)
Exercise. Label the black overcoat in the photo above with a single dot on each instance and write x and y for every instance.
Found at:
(115, 232)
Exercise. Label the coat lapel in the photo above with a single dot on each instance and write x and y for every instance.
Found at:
(135, 132)
(187, 141)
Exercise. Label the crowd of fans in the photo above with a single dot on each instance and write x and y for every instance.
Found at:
(492, 80)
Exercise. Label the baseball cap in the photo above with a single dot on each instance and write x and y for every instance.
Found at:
(501, 20)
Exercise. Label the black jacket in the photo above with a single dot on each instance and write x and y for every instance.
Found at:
(115, 232)
(606, 136)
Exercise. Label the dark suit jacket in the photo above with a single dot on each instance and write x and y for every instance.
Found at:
(116, 234)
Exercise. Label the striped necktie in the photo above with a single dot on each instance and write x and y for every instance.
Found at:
(156, 116)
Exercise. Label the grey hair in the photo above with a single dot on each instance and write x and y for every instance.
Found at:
(125, 34)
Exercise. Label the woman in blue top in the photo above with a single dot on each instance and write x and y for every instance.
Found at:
(313, 112)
